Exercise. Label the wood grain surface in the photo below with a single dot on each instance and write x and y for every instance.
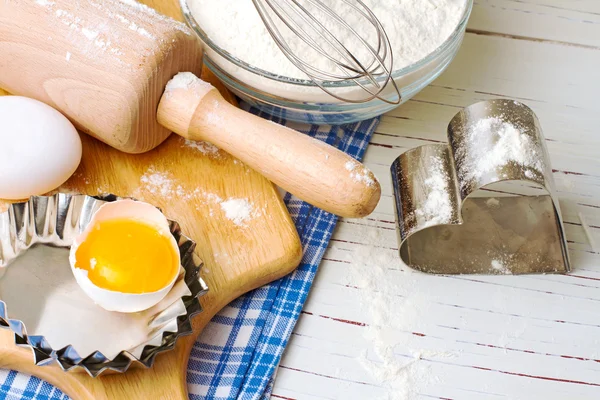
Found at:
(466, 337)
(104, 64)
(186, 180)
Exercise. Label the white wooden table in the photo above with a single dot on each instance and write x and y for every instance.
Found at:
(471, 337)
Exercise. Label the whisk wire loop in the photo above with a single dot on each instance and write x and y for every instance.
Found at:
(371, 70)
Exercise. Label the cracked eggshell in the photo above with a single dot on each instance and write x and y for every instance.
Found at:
(119, 301)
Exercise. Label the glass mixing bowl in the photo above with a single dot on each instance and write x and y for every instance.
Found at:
(301, 100)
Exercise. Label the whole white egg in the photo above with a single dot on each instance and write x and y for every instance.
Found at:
(39, 148)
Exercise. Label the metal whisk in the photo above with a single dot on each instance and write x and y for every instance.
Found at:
(310, 21)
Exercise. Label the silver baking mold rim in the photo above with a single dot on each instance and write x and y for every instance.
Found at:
(55, 221)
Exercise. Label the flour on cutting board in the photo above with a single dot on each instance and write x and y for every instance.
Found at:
(492, 202)
(238, 210)
(393, 305)
(160, 183)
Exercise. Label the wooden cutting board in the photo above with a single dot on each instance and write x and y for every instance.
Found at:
(187, 181)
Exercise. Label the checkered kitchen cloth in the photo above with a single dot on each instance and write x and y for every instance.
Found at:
(237, 354)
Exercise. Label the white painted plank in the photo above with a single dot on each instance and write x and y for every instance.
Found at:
(569, 21)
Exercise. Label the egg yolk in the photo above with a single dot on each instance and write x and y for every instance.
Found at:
(127, 256)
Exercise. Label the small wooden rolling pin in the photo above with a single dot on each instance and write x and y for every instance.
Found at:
(105, 64)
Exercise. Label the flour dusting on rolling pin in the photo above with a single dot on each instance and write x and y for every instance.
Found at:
(118, 98)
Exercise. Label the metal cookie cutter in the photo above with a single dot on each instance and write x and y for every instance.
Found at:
(42, 305)
(496, 148)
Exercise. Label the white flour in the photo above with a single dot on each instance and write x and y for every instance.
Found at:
(492, 202)
(237, 210)
(395, 307)
(437, 207)
(99, 35)
(415, 29)
(359, 173)
(158, 183)
(498, 142)
(205, 148)
(498, 266)
(187, 80)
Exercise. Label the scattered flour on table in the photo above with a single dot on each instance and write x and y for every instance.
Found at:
(388, 293)
(497, 142)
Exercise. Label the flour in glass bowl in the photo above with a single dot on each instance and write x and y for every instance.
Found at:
(416, 28)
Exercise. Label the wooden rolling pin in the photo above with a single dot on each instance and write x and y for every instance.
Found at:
(105, 64)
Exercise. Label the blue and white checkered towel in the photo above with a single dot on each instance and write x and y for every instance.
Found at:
(237, 354)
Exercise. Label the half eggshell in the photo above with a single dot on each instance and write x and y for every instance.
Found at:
(113, 300)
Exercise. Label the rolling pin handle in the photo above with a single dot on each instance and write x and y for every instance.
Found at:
(306, 167)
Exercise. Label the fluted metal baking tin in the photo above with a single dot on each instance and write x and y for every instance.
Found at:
(509, 233)
(34, 241)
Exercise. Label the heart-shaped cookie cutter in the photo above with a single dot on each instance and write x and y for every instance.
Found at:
(444, 228)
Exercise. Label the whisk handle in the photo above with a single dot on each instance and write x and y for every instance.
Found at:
(310, 169)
